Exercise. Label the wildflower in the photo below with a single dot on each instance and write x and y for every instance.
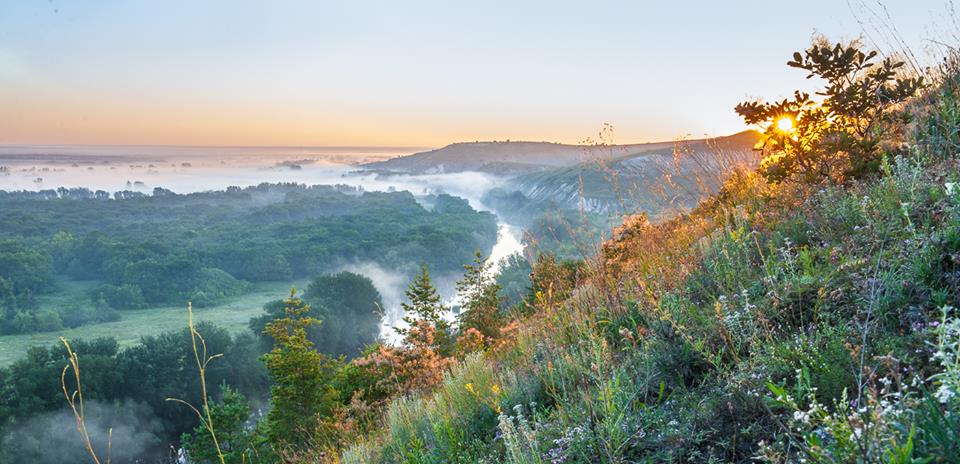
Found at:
(495, 389)
(470, 388)
(944, 394)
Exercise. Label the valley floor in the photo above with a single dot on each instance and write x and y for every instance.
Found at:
(233, 315)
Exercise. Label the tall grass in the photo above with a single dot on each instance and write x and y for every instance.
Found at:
(776, 323)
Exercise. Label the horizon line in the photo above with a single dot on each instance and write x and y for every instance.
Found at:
(688, 137)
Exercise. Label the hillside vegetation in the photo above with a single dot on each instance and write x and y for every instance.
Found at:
(806, 312)
(505, 158)
(566, 210)
(658, 182)
(806, 317)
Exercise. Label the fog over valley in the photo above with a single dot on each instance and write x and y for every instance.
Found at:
(318, 232)
(185, 170)
(106, 245)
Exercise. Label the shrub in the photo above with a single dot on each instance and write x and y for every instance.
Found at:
(841, 136)
(126, 296)
(823, 358)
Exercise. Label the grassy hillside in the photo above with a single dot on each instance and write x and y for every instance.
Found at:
(669, 347)
(511, 158)
(790, 322)
(656, 181)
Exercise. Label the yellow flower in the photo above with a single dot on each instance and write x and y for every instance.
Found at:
(495, 389)
(470, 388)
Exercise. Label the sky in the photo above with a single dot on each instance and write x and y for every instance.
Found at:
(411, 73)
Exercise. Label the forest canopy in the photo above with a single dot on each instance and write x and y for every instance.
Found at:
(166, 249)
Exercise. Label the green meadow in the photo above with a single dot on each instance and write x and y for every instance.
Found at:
(233, 315)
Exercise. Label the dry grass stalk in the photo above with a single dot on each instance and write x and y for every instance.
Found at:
(202, 360)
(75, 400)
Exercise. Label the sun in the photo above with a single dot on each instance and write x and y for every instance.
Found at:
(784, 124)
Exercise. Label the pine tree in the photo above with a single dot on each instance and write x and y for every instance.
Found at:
(480, 295)
(302, 396)
(426, 307)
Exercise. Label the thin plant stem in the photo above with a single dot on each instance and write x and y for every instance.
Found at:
(75, 400)
(202, 360)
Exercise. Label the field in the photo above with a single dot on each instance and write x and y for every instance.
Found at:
(232, 315)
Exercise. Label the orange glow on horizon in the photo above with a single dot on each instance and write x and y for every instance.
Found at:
(84, 120)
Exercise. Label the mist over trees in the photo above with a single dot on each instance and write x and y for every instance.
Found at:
(166, 249)
(348, 307)
(142, 251)
(128, 387)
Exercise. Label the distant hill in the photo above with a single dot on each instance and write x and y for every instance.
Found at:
(508, 158)
(654, 180)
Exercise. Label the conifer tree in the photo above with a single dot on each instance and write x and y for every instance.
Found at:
(426, 307)
(480, 295)
(302, 396)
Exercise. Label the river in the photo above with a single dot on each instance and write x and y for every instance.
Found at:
(193, 169)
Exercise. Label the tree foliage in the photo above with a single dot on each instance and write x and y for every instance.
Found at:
(239, 444)
(480, 297)
(302, 396)
(142, 375)
(349, 306)
(425, 309)
(24, 273)
(204, 247)
(841, 135)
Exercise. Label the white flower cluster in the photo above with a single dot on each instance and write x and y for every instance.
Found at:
(738, 319)
(947, 354)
